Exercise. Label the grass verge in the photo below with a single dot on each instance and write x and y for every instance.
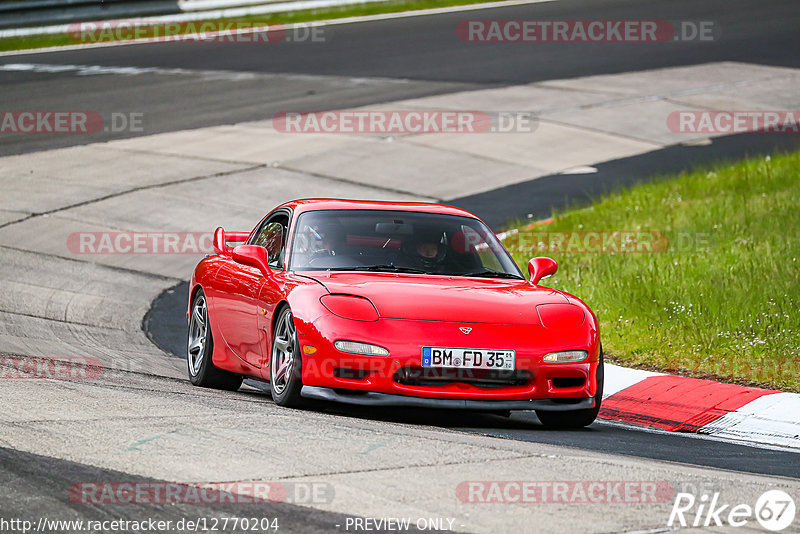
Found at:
(720, 300)
(391, 6)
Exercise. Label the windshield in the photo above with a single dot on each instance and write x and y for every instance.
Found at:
(398, 241)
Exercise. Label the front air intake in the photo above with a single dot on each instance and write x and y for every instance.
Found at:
(437, 376)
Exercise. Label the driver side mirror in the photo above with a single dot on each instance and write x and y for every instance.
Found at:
(541, 267)
(254, 256)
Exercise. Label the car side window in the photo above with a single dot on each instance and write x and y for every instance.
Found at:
(272, 237)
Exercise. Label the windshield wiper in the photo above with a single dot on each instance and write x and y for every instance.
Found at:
(489, 273)
(384, 268)
(390, 268)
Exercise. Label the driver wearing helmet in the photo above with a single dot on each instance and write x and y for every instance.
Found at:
(332, 239)
(427, 250)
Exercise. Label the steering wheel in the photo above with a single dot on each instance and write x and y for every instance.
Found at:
(319, 255)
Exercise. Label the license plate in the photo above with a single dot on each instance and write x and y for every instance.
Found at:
(468, 358)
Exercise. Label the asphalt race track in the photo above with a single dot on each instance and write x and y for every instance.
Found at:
(141, 422)
(165, 327)
(391, 59)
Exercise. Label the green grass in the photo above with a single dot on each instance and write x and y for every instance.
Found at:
(391, 6)
(726, 308)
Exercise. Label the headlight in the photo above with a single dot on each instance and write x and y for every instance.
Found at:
(350, 307)
(567, 356)
(561, 315)
(356, 347)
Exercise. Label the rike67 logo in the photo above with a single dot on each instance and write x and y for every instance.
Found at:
(774, 510)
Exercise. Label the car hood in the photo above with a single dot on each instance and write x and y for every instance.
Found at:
(444, 298)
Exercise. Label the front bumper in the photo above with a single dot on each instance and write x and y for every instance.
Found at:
(333, 369)
(371, 398)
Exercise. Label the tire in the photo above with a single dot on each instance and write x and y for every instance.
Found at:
(200, 347)
(576, 418)
(285, 362)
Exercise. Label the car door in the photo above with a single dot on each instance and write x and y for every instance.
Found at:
(272, 236)
(239, 314)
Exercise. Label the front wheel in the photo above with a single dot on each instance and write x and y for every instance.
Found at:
(576, 418)
(200, 347)
(285, 366)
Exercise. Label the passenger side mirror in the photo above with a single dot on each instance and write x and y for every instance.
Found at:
(540, 267)
(254, 256)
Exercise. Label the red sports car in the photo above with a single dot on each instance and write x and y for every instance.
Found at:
(390, 304)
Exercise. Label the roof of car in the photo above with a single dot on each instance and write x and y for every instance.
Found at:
(314, 204)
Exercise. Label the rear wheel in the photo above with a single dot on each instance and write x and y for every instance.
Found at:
(576, 418)
(200, 347)
(285, 367)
